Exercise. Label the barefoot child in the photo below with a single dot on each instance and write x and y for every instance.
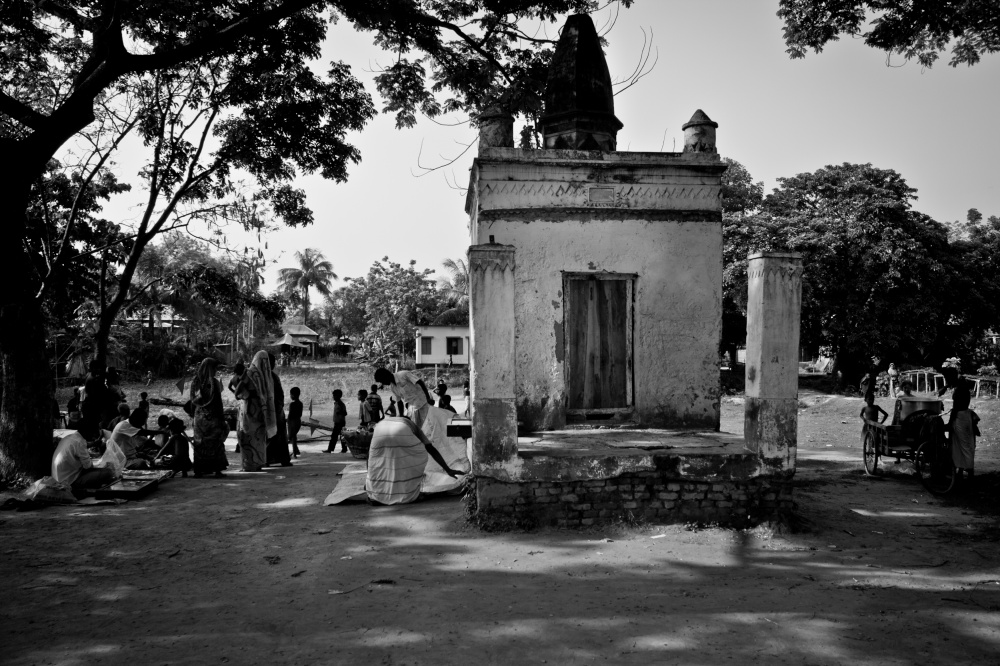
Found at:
(339, 421)
(963, 426)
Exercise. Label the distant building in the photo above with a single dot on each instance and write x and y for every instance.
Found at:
(302, 334)
(435, 344)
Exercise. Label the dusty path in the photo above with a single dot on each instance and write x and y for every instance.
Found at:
(251, 569)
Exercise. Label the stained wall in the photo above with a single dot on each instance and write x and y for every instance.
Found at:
(654, 215)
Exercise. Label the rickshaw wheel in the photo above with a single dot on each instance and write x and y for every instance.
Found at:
(871, 454)
(935, 467)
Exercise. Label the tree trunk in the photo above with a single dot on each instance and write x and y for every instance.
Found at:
(26, 391)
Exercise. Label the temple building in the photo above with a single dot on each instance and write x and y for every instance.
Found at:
(596, 300)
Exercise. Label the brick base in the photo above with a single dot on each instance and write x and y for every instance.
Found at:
(634, 497)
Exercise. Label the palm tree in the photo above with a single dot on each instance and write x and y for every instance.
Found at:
(456, 292)
(456, 287)
(313, 271)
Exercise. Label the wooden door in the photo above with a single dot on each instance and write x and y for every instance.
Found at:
(598, 342)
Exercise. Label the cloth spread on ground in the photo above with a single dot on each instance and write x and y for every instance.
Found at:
(393, 458)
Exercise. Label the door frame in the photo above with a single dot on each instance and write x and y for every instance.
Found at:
(630, 279)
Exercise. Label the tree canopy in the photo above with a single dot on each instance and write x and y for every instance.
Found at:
(916, 29)
(251, 69)
(879, 278)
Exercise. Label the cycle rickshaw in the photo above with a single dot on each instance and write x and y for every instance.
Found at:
(919, 437)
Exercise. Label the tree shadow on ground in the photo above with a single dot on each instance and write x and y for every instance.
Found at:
(199, 574)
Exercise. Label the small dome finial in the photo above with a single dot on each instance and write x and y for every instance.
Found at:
(699, 133)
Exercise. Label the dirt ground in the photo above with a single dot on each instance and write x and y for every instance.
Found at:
(252, 569)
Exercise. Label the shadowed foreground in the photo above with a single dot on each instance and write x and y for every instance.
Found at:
(251, 569)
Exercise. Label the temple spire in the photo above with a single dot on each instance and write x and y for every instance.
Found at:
(579, 101)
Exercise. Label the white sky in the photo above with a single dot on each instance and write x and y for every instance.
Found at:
(938, 128)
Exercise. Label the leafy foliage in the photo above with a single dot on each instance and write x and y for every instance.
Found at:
(385, 306)
(915, 29)
(879, 279)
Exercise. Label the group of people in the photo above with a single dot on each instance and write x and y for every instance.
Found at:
(101, 406)
(265, 433)
(263, 430)
(962, 426)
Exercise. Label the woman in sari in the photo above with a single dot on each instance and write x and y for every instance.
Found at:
(256, 421)
(277, 446)
(210, 429)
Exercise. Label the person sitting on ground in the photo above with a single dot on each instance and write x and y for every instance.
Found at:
(294, 421)
(445, 403)
(130, 436)
(964, 427)
(397, 459)
(871, 411)
(410, 389)
(123, 412)
(179, 448)
(72, 465)
(375, 404)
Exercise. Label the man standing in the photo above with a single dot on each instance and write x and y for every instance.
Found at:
(408, 388)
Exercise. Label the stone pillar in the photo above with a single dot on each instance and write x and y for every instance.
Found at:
(774, 303)
(491, 303)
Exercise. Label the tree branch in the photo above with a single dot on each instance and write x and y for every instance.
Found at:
(67, 14)
(216, 41)
(21, 112)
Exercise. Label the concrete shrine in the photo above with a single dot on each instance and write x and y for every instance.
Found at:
(596, 299)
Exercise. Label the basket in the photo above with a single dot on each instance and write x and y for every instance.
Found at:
(358, 442)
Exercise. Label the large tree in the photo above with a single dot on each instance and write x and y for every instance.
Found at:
(878, 278)
(313, 272)
(59, 59)
(913, 29)
(741, 199)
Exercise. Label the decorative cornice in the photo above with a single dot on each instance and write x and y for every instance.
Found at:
(562, 194)
(491, 257)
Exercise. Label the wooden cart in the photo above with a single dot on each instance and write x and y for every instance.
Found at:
(919, 437)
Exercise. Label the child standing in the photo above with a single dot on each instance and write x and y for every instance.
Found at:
(871, 411)
(294, 420)
(143, 402)
(339, 421)
(375, 405)
(364, 413)
(964, 426)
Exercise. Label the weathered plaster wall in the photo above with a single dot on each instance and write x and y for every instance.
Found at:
(653, 215)
(677, 312)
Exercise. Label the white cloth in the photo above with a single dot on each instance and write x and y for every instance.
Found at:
(396, 461)
(125, 435)
(452, 449)
(70, 458)
(406, 389)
